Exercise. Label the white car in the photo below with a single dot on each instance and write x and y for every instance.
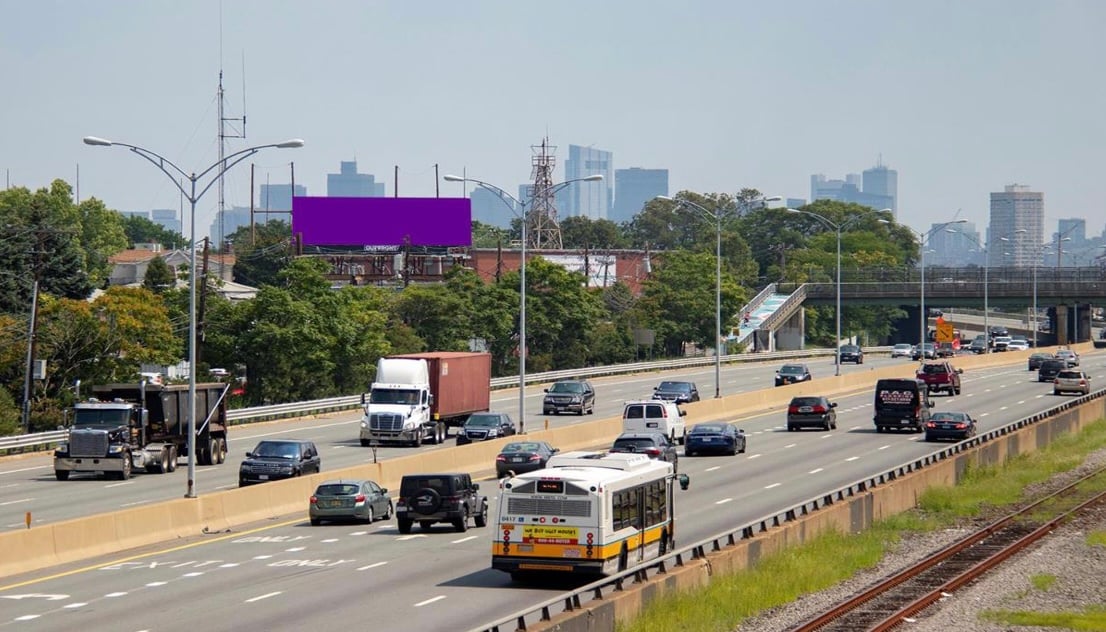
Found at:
(1017, 345)
(902, 350)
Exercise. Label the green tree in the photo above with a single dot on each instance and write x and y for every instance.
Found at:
(102, 235)
(260, 257)
(159, 276)
(579, 232)
(488, 235)
(437, 314)
(141, 230)
(560, 311)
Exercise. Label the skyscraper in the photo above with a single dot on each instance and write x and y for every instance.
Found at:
(166, 218)
(956, 249)
(488, 208)
(349, 183)
(633, 188)
(1014, 209)
(877, 188)
(881, 181)
(278, 197)
(588, 199)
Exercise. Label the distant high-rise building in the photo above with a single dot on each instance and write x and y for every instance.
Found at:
(1015, 209)
(488, 208)
(587, 199)
(166, 218)
(232, 219)
(956, 249)
(877, 188)
(278, 197)
(881, 181)
(1074, 229)
(349, 183)
(633, 188)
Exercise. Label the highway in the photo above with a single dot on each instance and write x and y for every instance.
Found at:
(28, 483)
(285, 574)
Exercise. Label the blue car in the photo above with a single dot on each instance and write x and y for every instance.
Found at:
(714, 437)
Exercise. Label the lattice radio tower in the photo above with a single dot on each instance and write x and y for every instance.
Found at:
(544, 232)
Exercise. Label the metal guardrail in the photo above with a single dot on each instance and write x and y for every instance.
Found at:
(346, 402)
(576, 599)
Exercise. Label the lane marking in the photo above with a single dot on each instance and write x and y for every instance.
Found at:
(28, 469)
(815, 471)
(772, 485)
(155, 584)
(429, 601)
(138, 502)
(329, 540)
(711, 469)
(723, 501)
(359, 533)
(404, 538)
(295, 549)
(753, 456)
(115, 594)
(471, 537)
(852, 458)
(265, 596)
(791, 445)
(884, 447)
(21, 500)
(193, 574)
(79, 604)
(118, 484)
(28, 617)
(365, 568)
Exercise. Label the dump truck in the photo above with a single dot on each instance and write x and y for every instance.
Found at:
(416, 397)
(127, 427)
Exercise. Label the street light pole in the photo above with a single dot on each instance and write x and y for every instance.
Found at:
(837, 302)
(511, 201)
(217, 169)
(717, 217)
(30, 359)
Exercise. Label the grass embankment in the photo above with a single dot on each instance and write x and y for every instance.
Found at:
(829, 559)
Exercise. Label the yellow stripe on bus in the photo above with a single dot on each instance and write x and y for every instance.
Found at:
(579, 550)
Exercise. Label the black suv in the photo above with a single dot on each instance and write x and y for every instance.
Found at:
(1048, 369)
(432, 498)
(569, 396)
(274, 459)
(679, 392)
(851, 353)
(485, 426)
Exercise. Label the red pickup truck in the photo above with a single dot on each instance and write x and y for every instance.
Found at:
(940, 376)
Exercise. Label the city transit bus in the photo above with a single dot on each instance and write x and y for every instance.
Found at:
(585, 513)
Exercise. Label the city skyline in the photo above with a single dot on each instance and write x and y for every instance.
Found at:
(807, 87)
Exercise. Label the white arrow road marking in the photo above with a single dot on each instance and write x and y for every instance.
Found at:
(429, 601)
(265, 596)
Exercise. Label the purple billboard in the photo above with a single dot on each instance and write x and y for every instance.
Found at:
(343, 221)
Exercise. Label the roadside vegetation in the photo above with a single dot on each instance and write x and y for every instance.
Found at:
(831, 558)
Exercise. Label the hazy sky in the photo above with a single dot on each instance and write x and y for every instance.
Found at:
(961, 97)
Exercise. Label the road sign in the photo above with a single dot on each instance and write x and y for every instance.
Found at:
(944, 331)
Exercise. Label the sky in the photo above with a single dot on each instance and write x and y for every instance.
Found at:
(960, 97)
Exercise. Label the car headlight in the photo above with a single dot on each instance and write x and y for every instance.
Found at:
(576, 399)
(492, 432)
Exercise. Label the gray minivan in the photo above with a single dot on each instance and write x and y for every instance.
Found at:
(901, 404)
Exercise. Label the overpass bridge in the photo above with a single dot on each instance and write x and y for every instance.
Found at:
(1065, 297)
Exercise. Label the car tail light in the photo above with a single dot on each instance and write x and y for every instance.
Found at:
(314, 500)
(653, 452)
(961, 426)
(820, 409)
(500, 459)
(792, 410)
(535, 457)
(930, 424)
(360, 498)
(1055, 380)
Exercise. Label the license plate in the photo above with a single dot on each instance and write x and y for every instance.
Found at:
(708, 439)
(572, 552)
(333, 503)
(401, 509)
(805, 409)
(262, 477)
(518, 459)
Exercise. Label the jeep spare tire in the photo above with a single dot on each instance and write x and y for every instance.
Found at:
(427, 500)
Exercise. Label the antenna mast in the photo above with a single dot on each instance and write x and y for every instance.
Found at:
(223, 136)
(544, 232)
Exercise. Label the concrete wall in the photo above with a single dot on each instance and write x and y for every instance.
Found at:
(47, 545)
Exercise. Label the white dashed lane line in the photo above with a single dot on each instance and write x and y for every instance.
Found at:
(883, 447)
(790, 445)
(723, 501)
(753, 456)
(815, 471)
(16, 502)
(260, 597)
(365, 568)
(851, 458)
(471, 537)
(429, 601)
(711, 469)
(772, 485)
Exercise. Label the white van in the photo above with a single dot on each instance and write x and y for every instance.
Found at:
(655, 415)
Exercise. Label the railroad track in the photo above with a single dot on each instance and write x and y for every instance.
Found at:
(910, 591)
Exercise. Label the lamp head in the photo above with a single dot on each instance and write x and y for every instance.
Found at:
(665, 198)
(452, 178)
(290, 143)
(96, 141)
(595, 177)
(773, 198)
(793, 210)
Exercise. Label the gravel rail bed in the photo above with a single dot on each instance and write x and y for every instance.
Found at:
(1078, 567)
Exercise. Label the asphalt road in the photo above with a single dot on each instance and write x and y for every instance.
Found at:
(28, 483)
(283, 575)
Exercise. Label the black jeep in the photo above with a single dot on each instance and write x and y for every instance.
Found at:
(432, 498)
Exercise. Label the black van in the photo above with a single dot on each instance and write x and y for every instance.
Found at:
(901, 404)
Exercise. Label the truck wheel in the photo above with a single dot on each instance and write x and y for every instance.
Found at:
(172, 464)
(404, 525)
(365, 443)
(462, 524)
(125, 473)
(222, 450)
(445, 433)
(481, 519)
(61, 475)
(163, 466)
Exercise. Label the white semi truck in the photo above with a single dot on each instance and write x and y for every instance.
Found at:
(416, 397)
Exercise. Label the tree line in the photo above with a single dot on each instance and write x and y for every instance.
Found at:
(300, 339)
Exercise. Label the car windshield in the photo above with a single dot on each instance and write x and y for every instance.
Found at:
(520, 447)
(708, 429)
(337, 489)
(100, 416)
(902, 346)
(634, 443)
(1064, 353)
(276, 450)
(806, 401)
(949, 416)
(681, 387)
(850, 348)
(792, 369)
(934, 368)
(482, 421)
(1069, 375)
(567, 387)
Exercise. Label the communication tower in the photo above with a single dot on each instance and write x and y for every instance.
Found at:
(543, 230)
